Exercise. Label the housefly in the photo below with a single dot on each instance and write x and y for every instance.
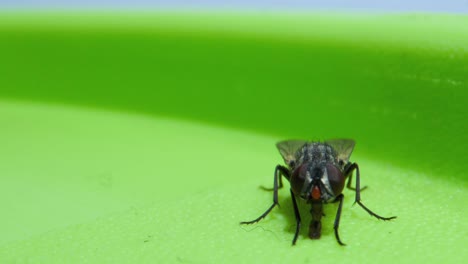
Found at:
(317, 172)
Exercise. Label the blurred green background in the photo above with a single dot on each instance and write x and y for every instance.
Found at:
(142, 137)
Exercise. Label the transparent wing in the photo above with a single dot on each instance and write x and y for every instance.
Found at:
(343, 148)
(288, 149)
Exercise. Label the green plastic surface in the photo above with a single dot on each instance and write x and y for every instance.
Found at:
(143, 137)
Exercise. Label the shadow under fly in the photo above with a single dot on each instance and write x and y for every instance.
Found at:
(317, 172)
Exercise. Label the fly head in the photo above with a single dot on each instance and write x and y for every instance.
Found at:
(314, 182)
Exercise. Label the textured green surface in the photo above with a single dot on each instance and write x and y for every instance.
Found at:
(82, 184)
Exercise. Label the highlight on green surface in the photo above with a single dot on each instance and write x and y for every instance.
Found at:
(143, 137)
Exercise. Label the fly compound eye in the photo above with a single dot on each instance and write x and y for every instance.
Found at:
(336, 179)
(298, 178)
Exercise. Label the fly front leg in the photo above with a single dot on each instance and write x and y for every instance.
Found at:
(337, 219)
(279, 171)
(298, 218)
(357, 200)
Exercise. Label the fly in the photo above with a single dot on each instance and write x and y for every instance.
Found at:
(317, 172)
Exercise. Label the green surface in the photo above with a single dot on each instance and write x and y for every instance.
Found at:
(143, 137)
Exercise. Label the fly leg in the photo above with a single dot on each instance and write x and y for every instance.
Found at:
(357, 200)
(337, 219)
(285, 173)
(279, 171)
(298, 218)
(349, 175)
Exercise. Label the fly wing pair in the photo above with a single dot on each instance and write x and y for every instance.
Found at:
(288, 149)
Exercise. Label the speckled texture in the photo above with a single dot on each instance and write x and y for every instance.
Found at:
(188, 212)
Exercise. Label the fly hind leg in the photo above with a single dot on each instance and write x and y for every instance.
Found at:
(349, 175)
(285, 172)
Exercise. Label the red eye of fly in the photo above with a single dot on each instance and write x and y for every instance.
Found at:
(336, 179)
(298, 178)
